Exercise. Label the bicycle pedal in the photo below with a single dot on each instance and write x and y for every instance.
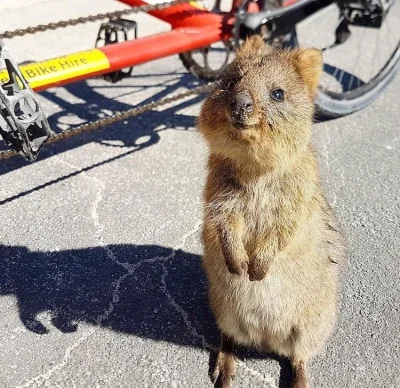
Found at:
(116, 31)
(23, 124)
(366, 13)
(342, 32)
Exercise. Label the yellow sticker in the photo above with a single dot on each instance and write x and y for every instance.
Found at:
(63, 68)
(196, 4)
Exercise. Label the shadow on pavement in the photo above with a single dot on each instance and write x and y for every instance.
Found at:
(95, 105)
(148, 291)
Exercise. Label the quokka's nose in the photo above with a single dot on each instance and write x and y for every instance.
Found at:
(243, 103)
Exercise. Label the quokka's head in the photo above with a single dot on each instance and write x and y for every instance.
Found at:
(261, 110)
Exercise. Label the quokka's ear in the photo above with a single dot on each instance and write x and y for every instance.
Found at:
(254, 46)
(308, 63)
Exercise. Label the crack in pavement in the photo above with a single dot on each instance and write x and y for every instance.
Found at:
(328, 160)
(44, 377)
(391, 144)
(325, 144)
(261, 376)
(189, 326)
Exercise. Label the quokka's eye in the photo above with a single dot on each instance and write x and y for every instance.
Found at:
(278, 95)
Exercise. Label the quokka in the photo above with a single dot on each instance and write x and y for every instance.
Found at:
(272, 247)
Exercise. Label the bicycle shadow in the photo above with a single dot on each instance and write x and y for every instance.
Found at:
(148, 291)
(94, 105)
(127, 135)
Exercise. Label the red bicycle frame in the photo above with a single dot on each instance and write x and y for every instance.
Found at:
(192, 27)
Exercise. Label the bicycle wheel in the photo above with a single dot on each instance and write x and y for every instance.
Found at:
(358, 70)
(208, 63)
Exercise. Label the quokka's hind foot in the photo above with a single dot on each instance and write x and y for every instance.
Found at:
(225, 365)
(299, 375)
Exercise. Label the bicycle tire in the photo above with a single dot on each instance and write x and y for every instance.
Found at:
(198, 71)
(334, 105)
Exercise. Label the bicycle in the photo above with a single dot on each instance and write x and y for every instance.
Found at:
(346, 86)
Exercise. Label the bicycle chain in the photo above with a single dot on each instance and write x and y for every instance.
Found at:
(90, 18)
(114, 118)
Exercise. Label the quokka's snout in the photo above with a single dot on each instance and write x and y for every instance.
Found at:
(242, 105)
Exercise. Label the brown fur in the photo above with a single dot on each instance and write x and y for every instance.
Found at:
(271, 243)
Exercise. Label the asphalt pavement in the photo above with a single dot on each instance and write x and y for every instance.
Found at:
(100, 278)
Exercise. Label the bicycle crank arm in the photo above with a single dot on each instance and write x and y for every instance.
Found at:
(281, 17)
(23, 125)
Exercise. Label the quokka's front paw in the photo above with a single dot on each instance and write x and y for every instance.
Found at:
(237, 267)
(258, 268)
